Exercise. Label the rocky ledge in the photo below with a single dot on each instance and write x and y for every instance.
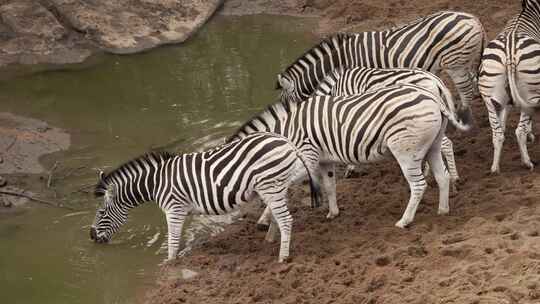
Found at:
(69, 31)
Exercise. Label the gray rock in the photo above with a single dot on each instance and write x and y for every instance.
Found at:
(31, 18)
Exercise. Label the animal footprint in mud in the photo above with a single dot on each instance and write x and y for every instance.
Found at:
(382, 261)
(453, 239)
(458, 252)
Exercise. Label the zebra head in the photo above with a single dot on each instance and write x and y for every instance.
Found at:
(288, 90)
(108, 218)
(124, 188)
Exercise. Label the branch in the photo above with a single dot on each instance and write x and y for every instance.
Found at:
(35, 199)
(49, 180)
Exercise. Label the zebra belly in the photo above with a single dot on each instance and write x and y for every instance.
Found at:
(221, 201)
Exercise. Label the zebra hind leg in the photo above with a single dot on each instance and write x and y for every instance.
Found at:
(497, 118)
(412, 170)
(464, 82)
(277, 201)
(447, 148)
(329, 184)
(440, 173)
(522, 133)
(265, 219)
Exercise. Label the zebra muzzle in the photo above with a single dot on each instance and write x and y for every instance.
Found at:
(93, 234)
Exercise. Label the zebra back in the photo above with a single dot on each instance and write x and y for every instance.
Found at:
(360, 80)
(444, 38)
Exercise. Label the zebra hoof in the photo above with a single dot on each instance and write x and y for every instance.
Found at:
(529, 165)
(331, 215)
(285, 259)
(443, 211)
(262, 227)
(402, 224)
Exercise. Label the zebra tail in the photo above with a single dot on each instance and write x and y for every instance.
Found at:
(463, 119)
(315, 188)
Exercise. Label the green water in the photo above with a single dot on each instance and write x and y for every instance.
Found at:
(185, 98)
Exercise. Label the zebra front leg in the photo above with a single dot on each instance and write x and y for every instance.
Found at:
(328, 172)
(522, 131)
(175, 221)
(277, 201)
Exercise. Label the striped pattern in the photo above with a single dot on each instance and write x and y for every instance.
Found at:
(213, 182)
(445, 41)
(405, 121)
(509, 76)
(359, 80)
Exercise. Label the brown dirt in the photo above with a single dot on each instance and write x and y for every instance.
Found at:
(486, 251)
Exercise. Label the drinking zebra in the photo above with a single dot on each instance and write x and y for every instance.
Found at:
(444, 41)
(213, 182)
(403, 120)
(509, 76)
(359, 80)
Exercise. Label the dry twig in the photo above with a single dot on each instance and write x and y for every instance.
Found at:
(35, 199)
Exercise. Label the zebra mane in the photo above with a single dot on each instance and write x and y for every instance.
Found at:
(148, 158)
(327, 42)
(278, 107)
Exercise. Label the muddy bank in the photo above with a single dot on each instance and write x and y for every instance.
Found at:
(362, 15)
(23, 141)
(69, 31)
(484, 252)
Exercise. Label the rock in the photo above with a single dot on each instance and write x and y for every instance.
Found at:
(123, 27)
(3, 182)
(68, 31)
(31, 18)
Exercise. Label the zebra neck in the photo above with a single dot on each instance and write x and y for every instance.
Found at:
(141, 185)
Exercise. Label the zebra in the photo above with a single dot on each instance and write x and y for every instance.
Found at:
(406, 121)
(445, 41)
(212, 182)
(359, 80)
(509, 76)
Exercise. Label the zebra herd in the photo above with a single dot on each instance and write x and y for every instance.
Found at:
(351, 99)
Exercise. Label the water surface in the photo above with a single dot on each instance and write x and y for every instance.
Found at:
(184, 98)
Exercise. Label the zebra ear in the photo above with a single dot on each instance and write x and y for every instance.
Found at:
(285, 83)
(101, 174)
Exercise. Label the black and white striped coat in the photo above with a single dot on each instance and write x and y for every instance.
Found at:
(360, 80)
(445, 41)
(403, 120)
(509, 76)
(212, 182)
